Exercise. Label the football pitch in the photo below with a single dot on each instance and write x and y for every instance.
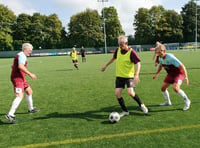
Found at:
(75, 105)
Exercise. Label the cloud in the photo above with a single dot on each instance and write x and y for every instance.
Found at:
(18, 7)
(75, 5)
(126, 9)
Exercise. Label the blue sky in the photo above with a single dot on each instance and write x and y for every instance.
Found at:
(66, 8)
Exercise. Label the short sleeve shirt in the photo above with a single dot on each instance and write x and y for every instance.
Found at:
(171, 64)
(20, 58)
(133, 57)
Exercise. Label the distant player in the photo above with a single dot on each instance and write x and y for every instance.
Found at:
(74, 56)
(156, 56)
(126, 59)
(176, 72)
(83, 54)
(19, 71)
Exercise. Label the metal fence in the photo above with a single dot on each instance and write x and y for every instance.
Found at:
(137, 48)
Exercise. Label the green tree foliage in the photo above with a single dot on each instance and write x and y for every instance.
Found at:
(64, 42)
(113, 25)
(47, 31)
(52, 31)
(189, 21)
(156, 17)
(21, 30)
(36, 30)
(7, 20)
(171, 29)
(142, 26)
(85, 29)
(157, 24)
(40, 30)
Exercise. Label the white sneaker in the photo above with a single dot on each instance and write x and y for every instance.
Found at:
(144, 108)
(166, 104)
(10, 118)
(187, 105)
(123, 113)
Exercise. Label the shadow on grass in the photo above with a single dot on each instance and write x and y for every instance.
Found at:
(103, 113)
(158, 108)
(64, 69)
(93, 115)
(100, 114)
(5, 123)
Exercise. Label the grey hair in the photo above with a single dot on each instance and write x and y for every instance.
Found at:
(122, 38)
(27, 45)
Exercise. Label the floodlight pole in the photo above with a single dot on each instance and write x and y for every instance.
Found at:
(104, 25)
(196, 28)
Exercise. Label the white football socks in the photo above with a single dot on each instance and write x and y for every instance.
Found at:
(166, 96)
(14, 106)
(29, 101)
(183, 95)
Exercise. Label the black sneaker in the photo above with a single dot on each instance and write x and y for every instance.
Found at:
(33, 111)
(10, 118)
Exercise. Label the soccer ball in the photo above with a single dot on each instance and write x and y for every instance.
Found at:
(114, 117)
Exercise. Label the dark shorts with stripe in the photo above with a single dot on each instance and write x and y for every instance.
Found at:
(122, 82)
(75, 61)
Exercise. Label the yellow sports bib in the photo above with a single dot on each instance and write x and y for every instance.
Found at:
(74, 55)
(124, 66)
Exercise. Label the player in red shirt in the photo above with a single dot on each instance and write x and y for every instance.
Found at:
(176, 73)
(19, 71)
(156, 56)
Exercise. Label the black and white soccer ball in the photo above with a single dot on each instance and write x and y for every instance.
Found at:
(114, 117)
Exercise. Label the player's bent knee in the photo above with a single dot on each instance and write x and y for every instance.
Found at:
(20, 95)
(176, 89)
(163, 89)
(29, 91)
(132, 94)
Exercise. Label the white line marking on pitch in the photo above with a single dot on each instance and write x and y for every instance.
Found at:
(80, 140)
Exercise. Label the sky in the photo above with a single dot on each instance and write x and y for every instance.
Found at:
(126, 9)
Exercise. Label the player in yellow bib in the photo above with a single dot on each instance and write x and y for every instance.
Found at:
(126, 59)
(74, 56)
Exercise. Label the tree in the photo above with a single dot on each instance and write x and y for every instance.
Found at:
(157, 24)
(189, 21)
(142, 25)
(40, 30)
(156, 14)
(52, 31)
(112, 25)
(36, 30)
(7, 20)
(171, 27)
(85, 29)
(21, 30)
(64, 42)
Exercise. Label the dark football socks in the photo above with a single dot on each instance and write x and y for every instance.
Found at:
(122, 104)
(137, 99)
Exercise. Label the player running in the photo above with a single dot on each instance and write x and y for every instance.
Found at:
(74, 56)
(176, 72)
(19, 71)
(126, 58)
